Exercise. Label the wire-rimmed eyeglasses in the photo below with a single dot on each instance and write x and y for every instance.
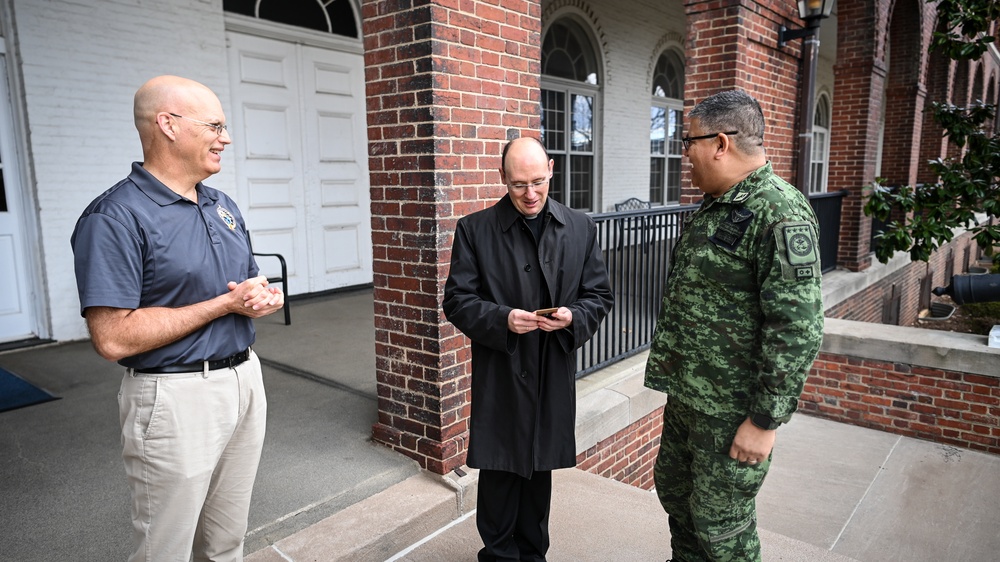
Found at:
(686, 141)
(219, 127)
(536, 183)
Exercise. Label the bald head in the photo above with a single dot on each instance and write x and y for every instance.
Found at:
(166, 93)
(181, 126)
(526, 169)
(523, 147)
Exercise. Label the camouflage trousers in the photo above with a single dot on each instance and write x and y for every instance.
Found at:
(709, 497)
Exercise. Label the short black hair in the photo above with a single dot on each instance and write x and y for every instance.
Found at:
(733, 110)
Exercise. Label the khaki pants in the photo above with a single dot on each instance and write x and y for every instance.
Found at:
(191, 444)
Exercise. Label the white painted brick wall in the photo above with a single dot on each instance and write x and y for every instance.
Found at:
(81, 64)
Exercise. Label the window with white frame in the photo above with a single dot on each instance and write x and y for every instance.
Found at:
(665, 130)
(329, 16)
(819, 167)
(569, 113)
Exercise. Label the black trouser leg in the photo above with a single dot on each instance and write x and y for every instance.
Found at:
(512, 516)
(532, 530)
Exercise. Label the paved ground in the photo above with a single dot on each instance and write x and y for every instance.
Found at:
(835, 493)
(62, 483)
(326, 492)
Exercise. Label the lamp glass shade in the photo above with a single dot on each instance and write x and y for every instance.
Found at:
(809, 9)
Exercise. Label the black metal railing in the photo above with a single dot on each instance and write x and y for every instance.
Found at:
(637, 248)
(827, 207)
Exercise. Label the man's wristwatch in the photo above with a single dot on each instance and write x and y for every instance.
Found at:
(764, 421)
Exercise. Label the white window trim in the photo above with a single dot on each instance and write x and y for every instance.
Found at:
(821, 188)
(668, 104)
(570, 87)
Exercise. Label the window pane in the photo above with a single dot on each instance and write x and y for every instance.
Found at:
(581, 182)
(567, 53)
(657, 115)
(673, 181)
(819, 145)
(675, 130)
(656, 179)
(583, 123)
(668, 77)
(816, 177)
(557, 185)
(554, 120)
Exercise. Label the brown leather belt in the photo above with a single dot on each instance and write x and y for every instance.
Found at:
(228, 362)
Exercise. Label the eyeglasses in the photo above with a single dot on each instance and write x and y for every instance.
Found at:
(219, 128)
(536, 183)
(686, 141)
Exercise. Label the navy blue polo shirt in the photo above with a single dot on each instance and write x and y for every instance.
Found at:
(140, 245)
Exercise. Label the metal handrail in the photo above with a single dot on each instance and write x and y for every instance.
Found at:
(637, 247)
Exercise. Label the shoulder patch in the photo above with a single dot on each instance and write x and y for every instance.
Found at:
(798, 250)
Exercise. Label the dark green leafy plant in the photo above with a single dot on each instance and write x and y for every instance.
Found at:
(920, 219)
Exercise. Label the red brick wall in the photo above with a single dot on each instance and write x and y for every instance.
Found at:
(447, 82)
(859, 79)
(905, 96)
(627, 456)
(732, 46)
(947, 407)
(868, 305)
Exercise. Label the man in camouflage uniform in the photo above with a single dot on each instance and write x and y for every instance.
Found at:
(741, 323)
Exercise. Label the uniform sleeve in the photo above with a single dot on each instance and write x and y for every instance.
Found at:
(791, 300)
(107, 255)
(483, 321)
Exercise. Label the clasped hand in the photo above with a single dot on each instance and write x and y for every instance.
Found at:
(523, 321)
(254, 298)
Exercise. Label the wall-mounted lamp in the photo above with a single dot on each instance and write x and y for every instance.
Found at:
(811, 12)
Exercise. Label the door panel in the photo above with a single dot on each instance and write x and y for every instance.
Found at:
(302, 168)
(17, 319)
(335, 150)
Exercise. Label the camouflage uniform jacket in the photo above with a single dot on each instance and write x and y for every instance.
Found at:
(742, 315)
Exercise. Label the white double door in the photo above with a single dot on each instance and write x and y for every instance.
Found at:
(300, 140)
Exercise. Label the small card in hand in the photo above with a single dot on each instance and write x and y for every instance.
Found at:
(547, 312)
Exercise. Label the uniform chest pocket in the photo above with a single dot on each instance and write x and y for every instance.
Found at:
(724, 268)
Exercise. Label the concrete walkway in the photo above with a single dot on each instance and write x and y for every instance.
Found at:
(325, 492)
(835, 493)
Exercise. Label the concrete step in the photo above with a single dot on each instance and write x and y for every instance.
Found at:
(429, 518)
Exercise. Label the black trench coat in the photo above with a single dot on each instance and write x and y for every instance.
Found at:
(523, 386)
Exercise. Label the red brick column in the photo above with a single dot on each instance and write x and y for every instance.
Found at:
(906, 91)
(735, 45)
(859, 77)
(933, 143)
(447, 82)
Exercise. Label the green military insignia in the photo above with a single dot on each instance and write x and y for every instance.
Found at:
(731, 230)
(797, 250)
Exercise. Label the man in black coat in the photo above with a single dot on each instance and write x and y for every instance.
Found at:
(509, 263)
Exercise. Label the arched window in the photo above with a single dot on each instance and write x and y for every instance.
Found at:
(569, 112)
(328, 16)
(665, 130)
(820, 146)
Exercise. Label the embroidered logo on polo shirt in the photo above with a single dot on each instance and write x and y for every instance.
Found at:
(227, 217)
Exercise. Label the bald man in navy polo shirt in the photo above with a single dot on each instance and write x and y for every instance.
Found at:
(169, 287)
